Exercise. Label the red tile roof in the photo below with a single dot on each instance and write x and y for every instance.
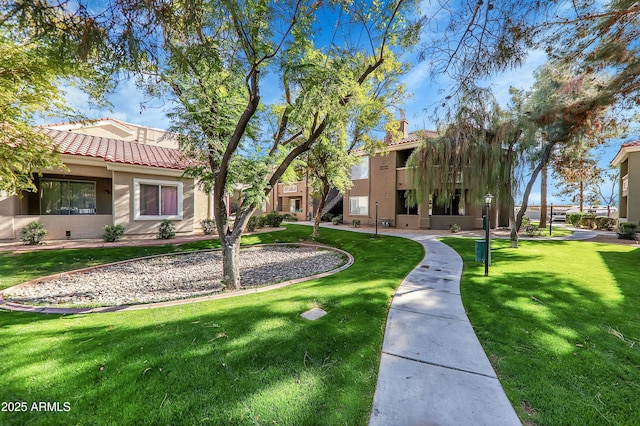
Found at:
(413, 137)
(117, 151)
(628, 144)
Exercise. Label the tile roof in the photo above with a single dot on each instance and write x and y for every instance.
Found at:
(629, 144)
(413, 137)
(117, 151)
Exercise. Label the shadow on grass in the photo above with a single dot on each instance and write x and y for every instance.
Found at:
(249, 360)
(560, 327)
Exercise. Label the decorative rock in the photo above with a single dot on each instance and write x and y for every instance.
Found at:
(175, 276)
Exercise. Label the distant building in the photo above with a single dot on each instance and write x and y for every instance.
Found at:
(384, 178)
(628, 161)
(118, 174)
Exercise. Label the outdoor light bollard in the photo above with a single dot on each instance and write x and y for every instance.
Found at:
(487, 242)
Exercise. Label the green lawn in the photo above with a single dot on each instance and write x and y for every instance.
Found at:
(560, 321)
(244, 360)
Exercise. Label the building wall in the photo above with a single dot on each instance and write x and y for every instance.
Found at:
(633, 198)
(124, 208)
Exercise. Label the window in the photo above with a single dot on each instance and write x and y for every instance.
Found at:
(155, 200)
(65, 197)
(402, 205)
(359, 206)
(360, 170)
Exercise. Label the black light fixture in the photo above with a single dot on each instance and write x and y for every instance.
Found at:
(376, 218)
(487, 241)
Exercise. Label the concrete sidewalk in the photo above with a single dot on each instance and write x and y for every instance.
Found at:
(433, 370)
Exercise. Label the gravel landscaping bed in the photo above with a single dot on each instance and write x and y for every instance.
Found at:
(175, 276)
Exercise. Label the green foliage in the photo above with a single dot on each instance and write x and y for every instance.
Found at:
(273, 219)
(33, 233)
(587, 221)
(627, 231)
(166, 230)
(574, 218)
(112, 233)
(605, 223)
(337, 220)
(208, 226)
(455, 228)
(532, 231)
(286, 217)
(574, 320)
(327, 217)
(250, 353)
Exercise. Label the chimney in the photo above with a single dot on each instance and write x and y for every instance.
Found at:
(404, 125)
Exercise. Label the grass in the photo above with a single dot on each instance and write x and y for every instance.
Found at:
(245, 360)
(560, 322)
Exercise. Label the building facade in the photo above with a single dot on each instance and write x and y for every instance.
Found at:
(628, 162)
(380, 185)
(108, 181)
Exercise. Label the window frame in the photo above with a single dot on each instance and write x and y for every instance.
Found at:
(366, 205)
(362, 166)
(159, 183)
(69, 181)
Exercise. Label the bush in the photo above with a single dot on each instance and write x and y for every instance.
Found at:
(587, 221)
(337, 220)
(532, 231)
(327, 217)
(208, 226)
(526, 221)
(261, 221)
(455, 228)
(605, 223)
(627, 231)
(166, 230)
(273, 219)
(574, 218)
(112, 233)
(289, 218)
(33, 233)
(252, 224)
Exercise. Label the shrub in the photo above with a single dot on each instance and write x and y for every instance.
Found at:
(574, 218)
(33, 233)
(627, 231)
(208, 226)
(532, 231)
(273, 219)
(289, 218)
(166, 230)
(337, 220)
(605, 223)
(112, 233)
(252, 224)
(261, 221)
(455, 228)
(526, 221)
(587, 221)
(327, 217)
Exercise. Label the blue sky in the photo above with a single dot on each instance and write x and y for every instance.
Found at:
(131, 105)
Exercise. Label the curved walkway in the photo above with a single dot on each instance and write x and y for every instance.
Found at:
(433, 370)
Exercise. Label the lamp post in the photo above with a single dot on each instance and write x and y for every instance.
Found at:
(376, 218)
(487, 252)
(550, 219)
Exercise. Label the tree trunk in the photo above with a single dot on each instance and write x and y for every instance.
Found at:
(316, 224)
(581, 196)
(231, 262)
(534, 175)
(543, 197)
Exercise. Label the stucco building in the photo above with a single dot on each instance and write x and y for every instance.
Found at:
(117, 174)
(628, 161)
(384, 179)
